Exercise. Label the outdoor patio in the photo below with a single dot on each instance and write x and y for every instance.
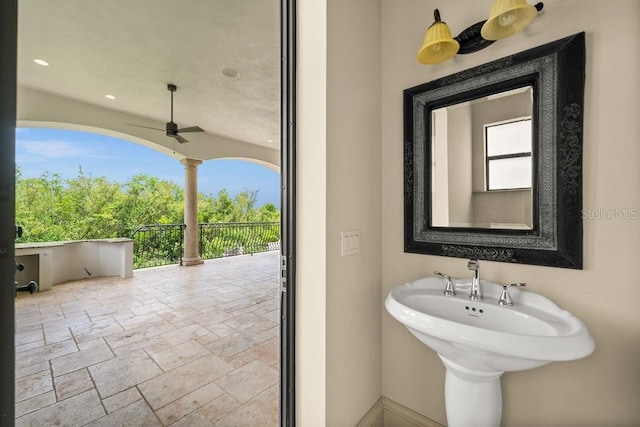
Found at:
(180, 346)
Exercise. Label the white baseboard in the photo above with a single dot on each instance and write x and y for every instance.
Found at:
(387, 413)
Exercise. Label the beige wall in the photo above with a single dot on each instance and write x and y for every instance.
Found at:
(311, 164)
(339, 301)
(353, 203)
(459, 144)
(602, 389)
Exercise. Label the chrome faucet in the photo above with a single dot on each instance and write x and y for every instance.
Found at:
(474, 266)
(505, 299)
(450, 289)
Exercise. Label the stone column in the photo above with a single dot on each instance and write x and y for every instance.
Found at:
(191, 256)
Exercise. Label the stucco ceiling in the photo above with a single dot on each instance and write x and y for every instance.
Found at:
(132, 49)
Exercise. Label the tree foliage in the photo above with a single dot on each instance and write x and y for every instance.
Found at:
(50, 208)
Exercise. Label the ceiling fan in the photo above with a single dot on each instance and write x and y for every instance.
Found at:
(171, 127)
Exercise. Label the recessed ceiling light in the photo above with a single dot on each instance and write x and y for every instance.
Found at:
(270, 140)
(41, 62)
(110, 97)
(231, 72)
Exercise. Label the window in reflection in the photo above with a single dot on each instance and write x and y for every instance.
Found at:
(508, 155)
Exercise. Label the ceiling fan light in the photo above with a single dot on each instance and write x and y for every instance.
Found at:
(508, 17)
(438, 45)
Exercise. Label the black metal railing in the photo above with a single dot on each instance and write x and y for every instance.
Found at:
(217, 240)
(162, 244)
(157, 244)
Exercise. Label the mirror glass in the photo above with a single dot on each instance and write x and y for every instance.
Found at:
(482, 162)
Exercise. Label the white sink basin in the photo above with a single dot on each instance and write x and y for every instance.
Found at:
(479, 340)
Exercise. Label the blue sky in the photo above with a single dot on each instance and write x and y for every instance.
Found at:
(40, 150)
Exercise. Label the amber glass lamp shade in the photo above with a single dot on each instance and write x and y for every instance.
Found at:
(508, 17)
(438, 45)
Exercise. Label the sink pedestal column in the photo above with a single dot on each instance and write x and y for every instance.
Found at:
(472, 398)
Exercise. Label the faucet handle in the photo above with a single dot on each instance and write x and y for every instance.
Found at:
(473, 264)
(449, 290)
(505, 299)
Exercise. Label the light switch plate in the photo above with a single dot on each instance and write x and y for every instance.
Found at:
(349, 242)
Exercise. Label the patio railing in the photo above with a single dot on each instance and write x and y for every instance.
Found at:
(157, 244)
(162, 244)
(236, 238)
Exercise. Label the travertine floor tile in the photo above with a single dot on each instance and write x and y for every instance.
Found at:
(120, 373)
(137, 414)
(189, 403)
(47, 352)
(171, 346)
(174, 384)
(89, 331)
(66, 322)
(180, 355)
(250, 324)
(28, 370)
(193, 419)
(185, 334)
(219, 407)
(248, 381)
(267, 352)
(260, 411)
(81, 359)
(73, 383)
(29, 337)
(122, 399)
(139, 320)
(75, 411)
(33, 385)
(139, 333)
(35, 403)
(57, 335)
(230, 345)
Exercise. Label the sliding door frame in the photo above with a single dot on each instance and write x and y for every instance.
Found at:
(288, 212)
(8, 76)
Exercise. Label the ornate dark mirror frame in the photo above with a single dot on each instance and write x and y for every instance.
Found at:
(557, 73)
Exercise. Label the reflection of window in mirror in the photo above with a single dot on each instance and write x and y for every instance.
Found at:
(508, 154)
(460, 196)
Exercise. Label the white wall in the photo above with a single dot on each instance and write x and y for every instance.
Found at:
(338, 323)
(602, 389)
(50, 263)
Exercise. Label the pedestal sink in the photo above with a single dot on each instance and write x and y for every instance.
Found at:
(479, 340)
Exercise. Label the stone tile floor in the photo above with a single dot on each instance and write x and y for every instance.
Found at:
(179, 346)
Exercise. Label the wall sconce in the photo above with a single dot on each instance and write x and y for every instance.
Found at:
(506, 18)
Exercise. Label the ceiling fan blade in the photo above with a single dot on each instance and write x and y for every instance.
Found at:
(180, 139)
(145, 127)
(191, 129)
